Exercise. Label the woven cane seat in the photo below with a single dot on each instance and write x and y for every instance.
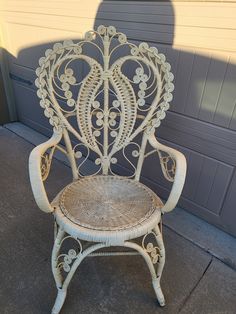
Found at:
(108, 203)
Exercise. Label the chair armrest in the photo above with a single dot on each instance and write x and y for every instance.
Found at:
(39, 167)
(180, 172)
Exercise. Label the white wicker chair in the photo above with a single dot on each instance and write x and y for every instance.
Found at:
(98, 107)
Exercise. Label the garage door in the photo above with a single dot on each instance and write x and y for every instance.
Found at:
(199, 40)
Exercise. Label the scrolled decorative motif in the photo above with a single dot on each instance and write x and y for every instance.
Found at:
(108, 98)
(45, 165)
(65, 260)
(168, 165)
(150, 248)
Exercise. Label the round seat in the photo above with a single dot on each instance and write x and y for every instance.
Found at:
(108, 204)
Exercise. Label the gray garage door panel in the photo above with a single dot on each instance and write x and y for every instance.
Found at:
(228, 217)
(29, 111)
(205, 138)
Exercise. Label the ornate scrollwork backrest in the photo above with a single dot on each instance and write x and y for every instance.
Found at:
(112, 101)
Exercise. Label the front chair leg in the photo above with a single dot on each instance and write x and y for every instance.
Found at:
(61, 296)
(154, 255)
(160, 266)
(56, 270)
(157, 256)
(68, 263)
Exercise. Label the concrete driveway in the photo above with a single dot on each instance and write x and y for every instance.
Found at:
(198, 277)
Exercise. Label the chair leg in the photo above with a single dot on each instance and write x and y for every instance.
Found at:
(61, 295)
(160, 266)
(69, 263)
(153, 255)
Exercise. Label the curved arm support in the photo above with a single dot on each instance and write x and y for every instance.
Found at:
(180, 172)
(35, 174)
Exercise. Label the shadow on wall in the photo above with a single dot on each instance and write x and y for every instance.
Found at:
(4, 114)
(201, 121)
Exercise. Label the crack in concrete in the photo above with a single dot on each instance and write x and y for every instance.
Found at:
(195, 286)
